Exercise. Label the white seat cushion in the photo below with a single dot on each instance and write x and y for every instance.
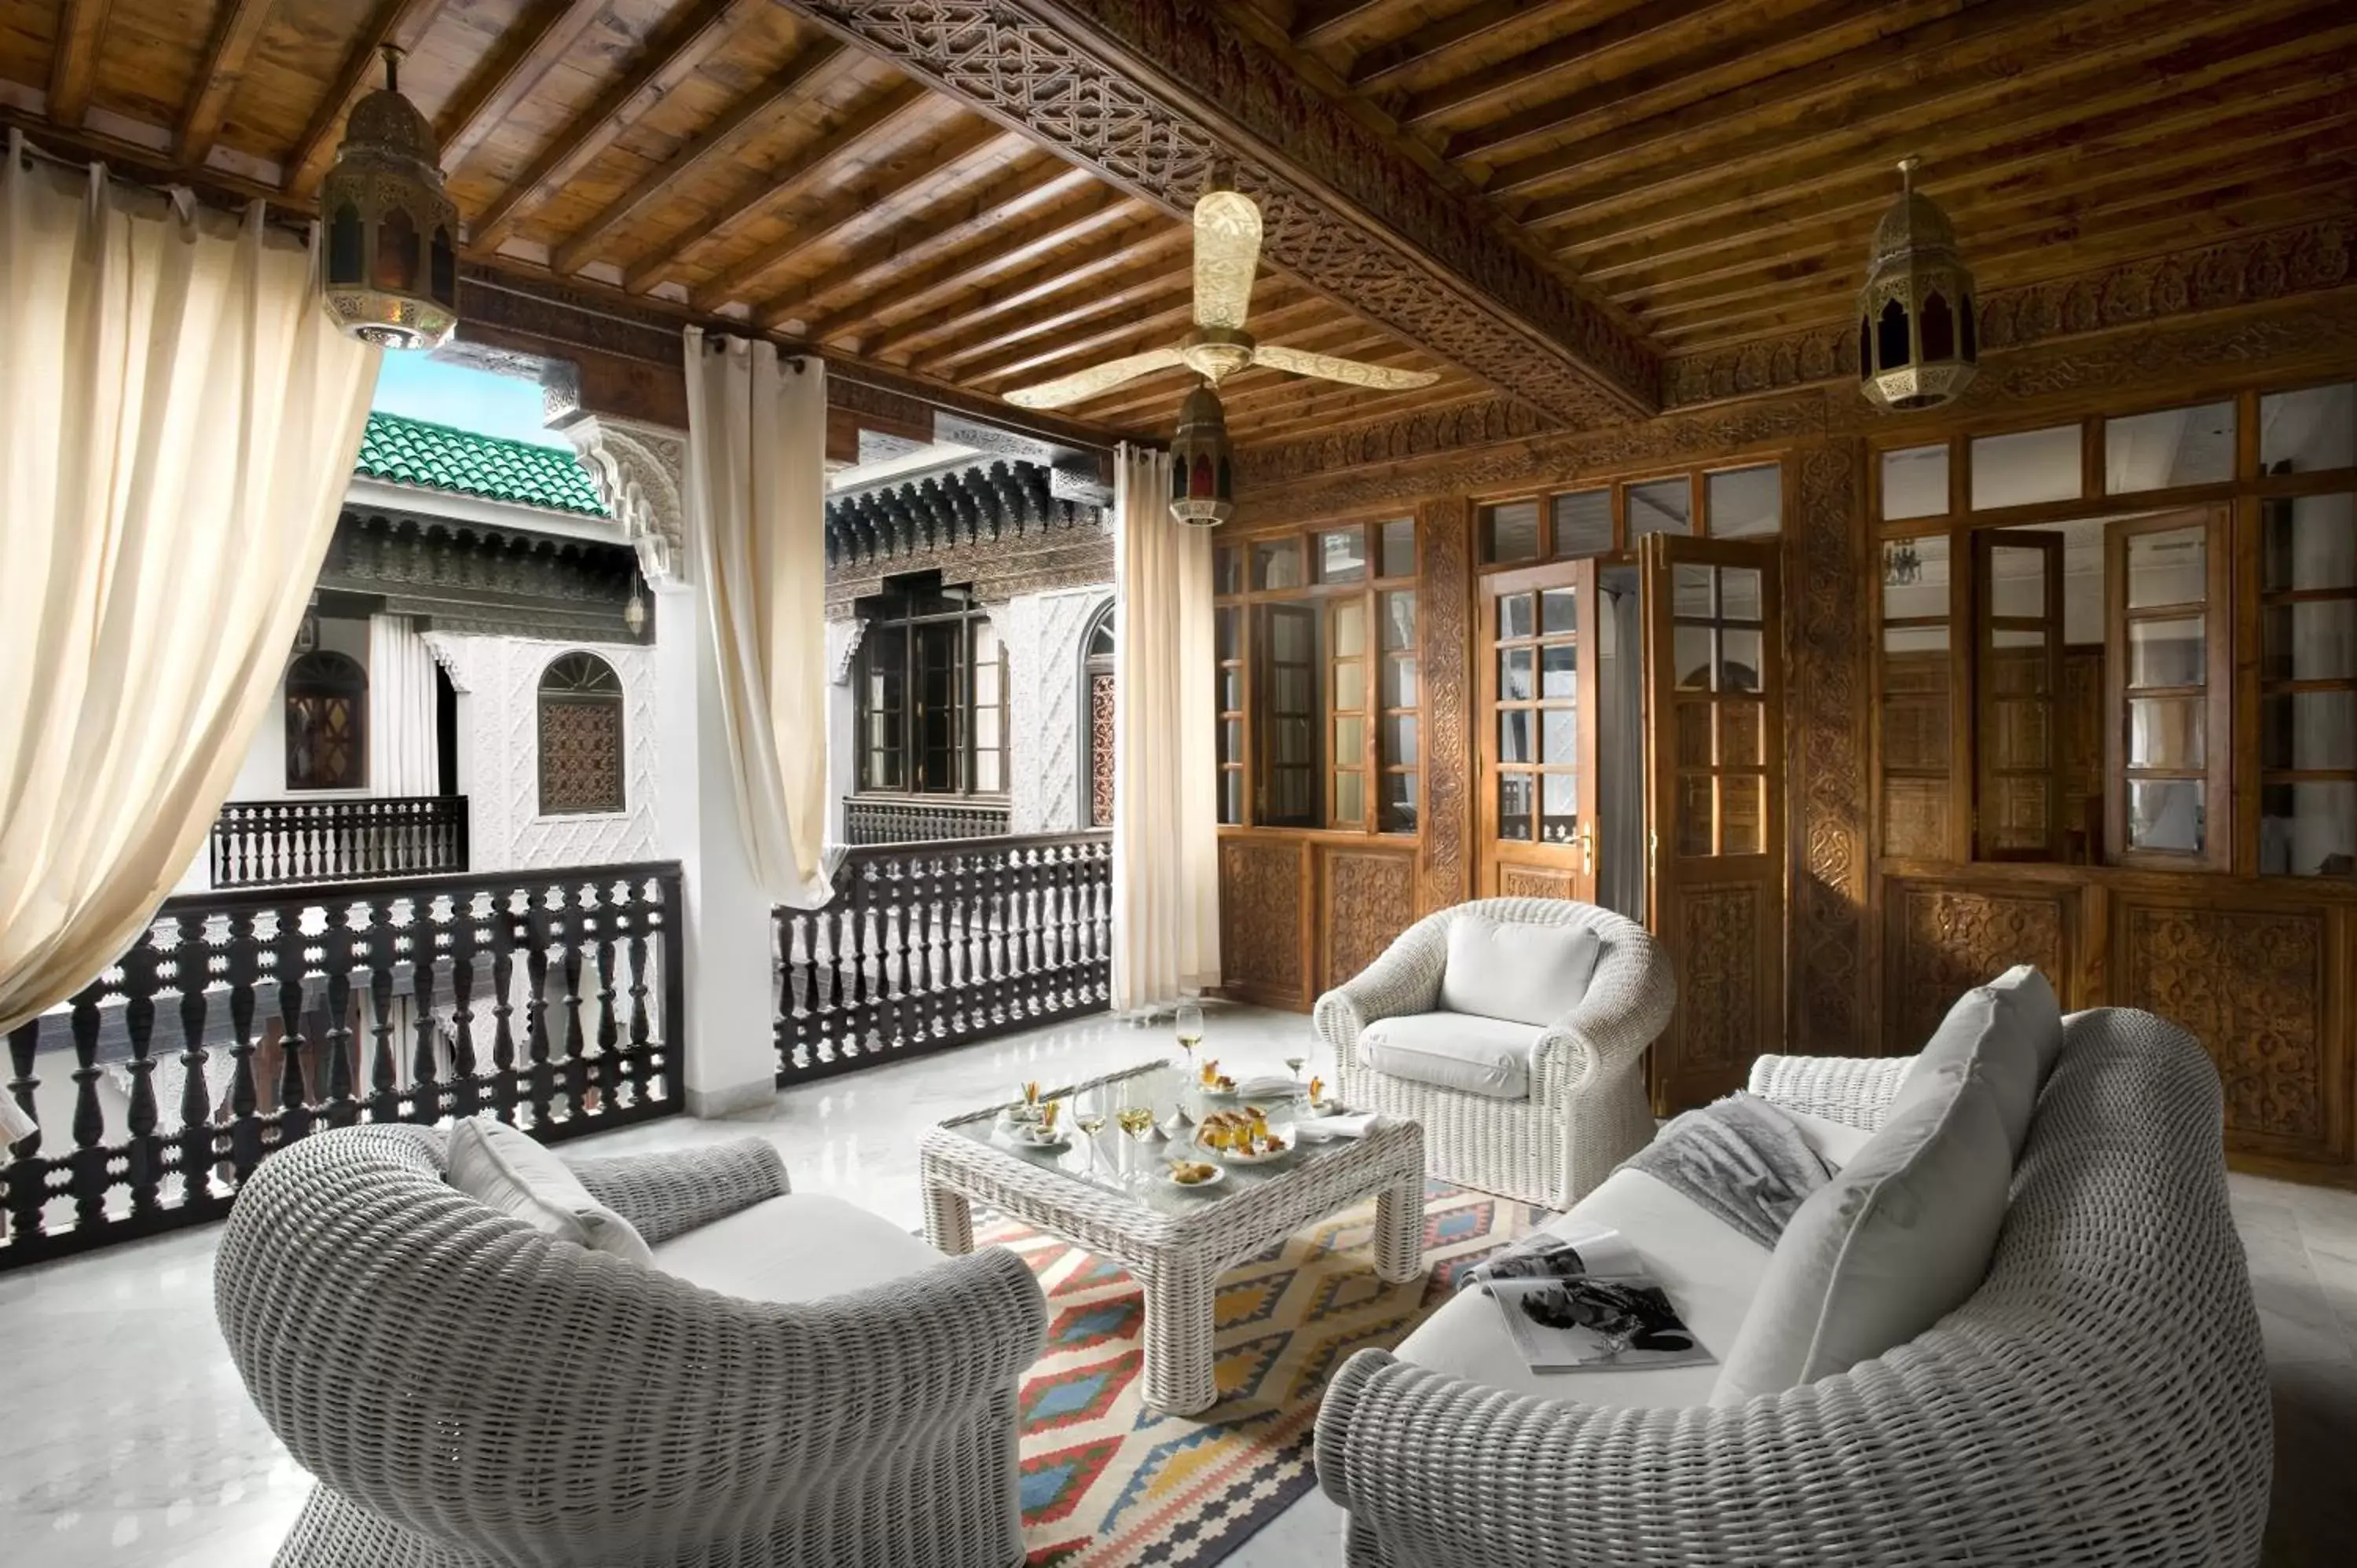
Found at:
(1528, 973)
(1710, 1269)
(1896, 1241)
(1453, 1050)
(496, 1165)
(1989, 1034)
(796, 1247)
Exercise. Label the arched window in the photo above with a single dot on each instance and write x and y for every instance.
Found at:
(932, 695)
(327, 722)
(1096, 700)
(581, 741)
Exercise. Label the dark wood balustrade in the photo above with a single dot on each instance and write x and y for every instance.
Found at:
(912, 819)
(240, 1022)
(259, 844)
(932, 945)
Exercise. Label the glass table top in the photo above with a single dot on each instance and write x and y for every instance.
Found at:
(1112, 1160)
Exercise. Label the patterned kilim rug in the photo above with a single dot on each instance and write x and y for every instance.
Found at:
(1108, 1482)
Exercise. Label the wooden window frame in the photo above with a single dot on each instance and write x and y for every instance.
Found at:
(2216, 773)
(890, 615)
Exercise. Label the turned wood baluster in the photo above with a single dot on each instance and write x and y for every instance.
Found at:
(428, 1094)
(932, 1024)
(608, 1068)
(27, 1175)
(537, 912)
(145, 1174)
(89, 1158)
(244, 958)
(865, 949)
(574, 1074)
(291, 967)
(634, 954)
(192, 964)
(956, 928)
(465, 1086)
(503, 932)
(385, 1069)
(338, 958)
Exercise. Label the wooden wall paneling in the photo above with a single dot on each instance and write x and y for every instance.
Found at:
(1534, 882)
(2263, 983)
(1366, 897)
(1943, 936)
(1443, 601)
(1266, 891)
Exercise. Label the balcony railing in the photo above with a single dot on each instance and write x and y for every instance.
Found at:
(909, 818)
(930, 945)
(261, 844)
(241, 1022)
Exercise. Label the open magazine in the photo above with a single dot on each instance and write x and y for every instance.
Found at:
(1581, 1301)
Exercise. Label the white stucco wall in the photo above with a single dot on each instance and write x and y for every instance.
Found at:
(1042, 633)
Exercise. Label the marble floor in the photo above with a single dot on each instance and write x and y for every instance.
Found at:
(125, 1438)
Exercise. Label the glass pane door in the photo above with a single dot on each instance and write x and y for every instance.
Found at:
(1538, 742)
(2017, 599)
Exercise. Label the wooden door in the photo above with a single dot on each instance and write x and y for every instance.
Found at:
(1714, 762)
(1538, 723)
(2017, 637)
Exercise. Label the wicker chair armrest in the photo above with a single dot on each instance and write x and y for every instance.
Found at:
(667, 1193)
(1854, 1090)
(1405, 979)
(1624, 1010)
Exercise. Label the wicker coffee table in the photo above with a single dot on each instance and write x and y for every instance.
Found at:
(1175, 1241)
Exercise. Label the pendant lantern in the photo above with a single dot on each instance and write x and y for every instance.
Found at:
(1917, 329)
(393, 262)
(1202, 477)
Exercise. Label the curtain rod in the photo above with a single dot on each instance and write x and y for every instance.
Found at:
(170, 189)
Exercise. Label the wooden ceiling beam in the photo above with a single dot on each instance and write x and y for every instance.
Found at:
(1057, 274)
(1443, 36)
(1058, 315)
(971, 267)
(667, 60)
(400, 23)
(1022, 189)
(1588, 49)
(1325, 20)
(2170, 54)
(1322, 411)
(73, 60)
(969, 141)
(526, 52)
(740, 120)
(1156, 98)
(896, 105)
(218, 75)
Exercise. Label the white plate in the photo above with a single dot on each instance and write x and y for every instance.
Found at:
(1170, 1178)
(1017, 1138)
(1329, 1106)
(1227, 1157)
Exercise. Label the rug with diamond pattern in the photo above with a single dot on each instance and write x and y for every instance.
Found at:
(1107, 1481)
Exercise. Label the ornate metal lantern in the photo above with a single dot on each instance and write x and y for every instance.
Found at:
(1203, 478)
(393, 262)
(1918, 333)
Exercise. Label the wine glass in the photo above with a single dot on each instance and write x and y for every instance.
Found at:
(1089, 1116)
(1295, 1063)
(1135, 1118)
(1188, 1021)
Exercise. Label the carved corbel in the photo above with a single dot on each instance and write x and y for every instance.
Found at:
(843, 638)
(640, 473)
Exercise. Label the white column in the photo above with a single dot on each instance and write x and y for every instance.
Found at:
(841, 723)
(400, 709)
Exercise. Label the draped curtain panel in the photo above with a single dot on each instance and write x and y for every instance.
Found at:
(1166, 845)
(757, 536)
(181, 420)
(402, 756)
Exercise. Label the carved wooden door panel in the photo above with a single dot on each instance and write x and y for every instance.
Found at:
(1714, 722)
(1537, 653)
(2018, 647)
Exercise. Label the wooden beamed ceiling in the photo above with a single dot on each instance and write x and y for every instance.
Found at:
(1562, 201)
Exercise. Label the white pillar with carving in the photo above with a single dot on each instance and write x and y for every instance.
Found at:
(402, 756)
(730, 984)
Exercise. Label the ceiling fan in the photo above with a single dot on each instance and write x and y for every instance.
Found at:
(1227, 247)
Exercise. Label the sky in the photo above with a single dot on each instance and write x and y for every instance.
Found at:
(422, 387)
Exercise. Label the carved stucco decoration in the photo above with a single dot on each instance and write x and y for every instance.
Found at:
(1827, 657)
(2248, 269)
(843, 641)
(640, 473)
(998, 570)
(1342, 209)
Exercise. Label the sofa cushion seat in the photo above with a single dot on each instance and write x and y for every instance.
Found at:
(1710, 1270)
(1462, 1051)
(797, 1247)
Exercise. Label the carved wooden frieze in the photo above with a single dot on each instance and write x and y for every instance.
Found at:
(1444, 535)
(464, 576)
(2246, 270)
(1943, 941)
(1369, 899)
(996, 570)
(1263, 902)
(1160, 96)
(1532, 882)
(1826, 631)
(2252, 987)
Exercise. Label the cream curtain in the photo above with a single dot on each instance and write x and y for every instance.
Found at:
(181, 421)
(757, 536)
(401, 754)
(1165, 847)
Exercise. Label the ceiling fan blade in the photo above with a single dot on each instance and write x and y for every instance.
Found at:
(1227, 247)
(1083, 385)
(1352, 372)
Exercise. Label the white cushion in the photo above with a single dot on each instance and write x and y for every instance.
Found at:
(1896, 1241)
(494, 1163)
(2023, 991)
(1710, 1269)
(1453, 1050)
(796, 1247)
(1530, 975)
(1988, 1035)
(1836, 1142)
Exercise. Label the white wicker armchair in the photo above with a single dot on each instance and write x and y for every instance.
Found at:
(472, 1393)
(2101, 1401)
(1586, 1110)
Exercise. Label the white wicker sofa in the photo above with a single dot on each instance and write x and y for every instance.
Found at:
(1539, 1107)
(796, 1382)
(2100, 1400)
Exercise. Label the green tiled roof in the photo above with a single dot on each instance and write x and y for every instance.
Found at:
(438, 458)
